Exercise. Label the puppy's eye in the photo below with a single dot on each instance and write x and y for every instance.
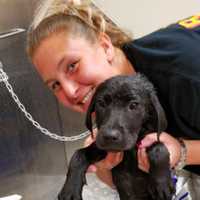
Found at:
(133, 105)
(104, 101)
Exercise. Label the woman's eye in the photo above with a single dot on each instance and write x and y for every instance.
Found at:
(133, 105)
(55, 86)
(72, 66)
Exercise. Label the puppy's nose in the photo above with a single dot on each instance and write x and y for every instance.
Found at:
(112, 136)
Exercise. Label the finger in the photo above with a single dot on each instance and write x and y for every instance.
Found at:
(89, 140)
(148, 140)
(92, 169)
(142, 168)
(143, 162)
(145, 159)
(111, 160)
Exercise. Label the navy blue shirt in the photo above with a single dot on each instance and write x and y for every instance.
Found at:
(170, 58)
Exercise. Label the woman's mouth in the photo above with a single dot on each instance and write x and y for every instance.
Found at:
(88, 96)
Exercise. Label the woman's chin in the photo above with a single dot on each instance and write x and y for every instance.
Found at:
(82, 108)
(85, 106)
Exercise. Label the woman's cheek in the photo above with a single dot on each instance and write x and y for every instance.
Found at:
(62, 98)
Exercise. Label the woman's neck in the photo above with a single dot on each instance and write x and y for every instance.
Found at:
(122, 62)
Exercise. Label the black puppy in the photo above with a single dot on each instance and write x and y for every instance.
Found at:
(126, 109)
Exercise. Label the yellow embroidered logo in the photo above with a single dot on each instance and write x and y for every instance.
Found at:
(191, 22)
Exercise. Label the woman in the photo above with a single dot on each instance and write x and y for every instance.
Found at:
(74, 48)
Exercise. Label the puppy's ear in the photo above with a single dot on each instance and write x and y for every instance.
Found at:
(161, 118)
(90, 111)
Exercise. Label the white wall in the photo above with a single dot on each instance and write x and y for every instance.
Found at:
(144, 16)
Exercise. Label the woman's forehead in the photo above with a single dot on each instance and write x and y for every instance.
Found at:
(64, 41)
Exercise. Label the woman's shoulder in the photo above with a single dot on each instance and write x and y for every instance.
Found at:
(174, 49)
(181, 32)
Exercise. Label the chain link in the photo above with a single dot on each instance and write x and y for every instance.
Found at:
(4, 79)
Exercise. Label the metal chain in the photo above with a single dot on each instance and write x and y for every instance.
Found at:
(4, 79)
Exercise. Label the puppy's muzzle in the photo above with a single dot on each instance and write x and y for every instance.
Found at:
(111, 137)
(110, 140)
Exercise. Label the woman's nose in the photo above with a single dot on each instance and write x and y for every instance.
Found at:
(70, 88)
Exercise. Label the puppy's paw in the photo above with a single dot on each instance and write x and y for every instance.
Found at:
(69, 194)
(161, 189)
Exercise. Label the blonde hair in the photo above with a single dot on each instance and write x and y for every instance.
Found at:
(75, 17)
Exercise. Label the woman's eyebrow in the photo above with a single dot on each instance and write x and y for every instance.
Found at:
(60, 63)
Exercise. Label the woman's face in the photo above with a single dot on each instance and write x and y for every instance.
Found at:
(73, 67)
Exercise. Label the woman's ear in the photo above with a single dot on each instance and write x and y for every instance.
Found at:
(107, 45)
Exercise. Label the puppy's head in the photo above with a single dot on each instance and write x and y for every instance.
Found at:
(123, 106)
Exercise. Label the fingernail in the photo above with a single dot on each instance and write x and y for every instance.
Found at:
(139, 144)
(92, 169)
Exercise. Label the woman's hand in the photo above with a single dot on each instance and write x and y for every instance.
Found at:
(170, 142)
(111, 160)
(103, 167)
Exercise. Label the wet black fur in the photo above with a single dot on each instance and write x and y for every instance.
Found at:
(126, 109)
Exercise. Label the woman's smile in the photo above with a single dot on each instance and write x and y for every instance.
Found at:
(86, 99)
(88, 96)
